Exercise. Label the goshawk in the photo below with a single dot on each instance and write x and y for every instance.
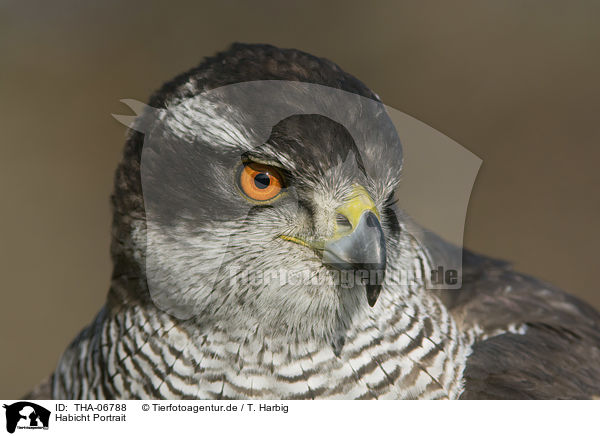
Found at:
(205, 193)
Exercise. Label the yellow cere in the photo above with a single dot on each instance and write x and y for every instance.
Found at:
(359, 202)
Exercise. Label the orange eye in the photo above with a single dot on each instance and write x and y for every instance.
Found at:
(260, 182)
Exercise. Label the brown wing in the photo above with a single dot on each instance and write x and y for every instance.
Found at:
(558, 356)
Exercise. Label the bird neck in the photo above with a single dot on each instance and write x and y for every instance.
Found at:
(399, 349)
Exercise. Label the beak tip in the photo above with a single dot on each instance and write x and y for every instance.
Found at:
(372, 293)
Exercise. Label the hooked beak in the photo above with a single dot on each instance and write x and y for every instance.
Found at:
(358, 243)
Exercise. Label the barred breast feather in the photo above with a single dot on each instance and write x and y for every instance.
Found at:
(401, 350)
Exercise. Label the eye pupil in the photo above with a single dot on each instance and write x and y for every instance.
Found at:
(262, 181)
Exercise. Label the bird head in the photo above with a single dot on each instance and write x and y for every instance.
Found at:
(257, 191)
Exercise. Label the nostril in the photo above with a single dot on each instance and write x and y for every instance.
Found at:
(371, 220)
(342, 221)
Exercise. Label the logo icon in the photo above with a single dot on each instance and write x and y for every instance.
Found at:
(26, 415)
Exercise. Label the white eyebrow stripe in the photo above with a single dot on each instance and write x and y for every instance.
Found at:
(212, 122)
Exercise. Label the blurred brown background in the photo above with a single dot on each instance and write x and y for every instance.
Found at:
(517, 83)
